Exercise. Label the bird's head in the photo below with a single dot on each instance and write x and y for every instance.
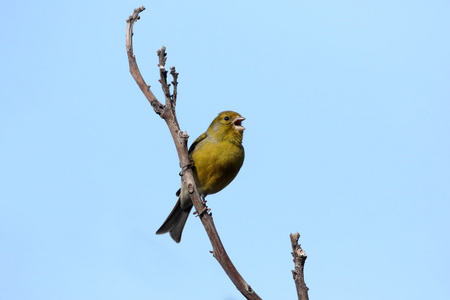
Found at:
(227, 125)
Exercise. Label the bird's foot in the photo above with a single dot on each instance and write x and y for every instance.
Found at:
(204, 210)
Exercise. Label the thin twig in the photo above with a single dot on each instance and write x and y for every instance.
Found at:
(299, 261)
(167, 112)
(163, 73)
(134, 70)
(174, 74)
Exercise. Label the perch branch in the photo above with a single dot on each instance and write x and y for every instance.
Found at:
(167, 112)
(299, 261)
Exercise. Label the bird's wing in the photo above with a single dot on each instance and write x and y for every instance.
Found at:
(196, 142)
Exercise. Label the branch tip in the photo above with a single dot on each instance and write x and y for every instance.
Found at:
(299, 261)
(135, 16)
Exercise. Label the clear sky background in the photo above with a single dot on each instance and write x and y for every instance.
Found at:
(347, 142)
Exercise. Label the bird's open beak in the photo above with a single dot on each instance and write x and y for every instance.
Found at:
(237, 122)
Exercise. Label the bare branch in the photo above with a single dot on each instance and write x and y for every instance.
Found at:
(163, 73)
(134, 70)
(167, 112)
(175, 84)
(299, 261)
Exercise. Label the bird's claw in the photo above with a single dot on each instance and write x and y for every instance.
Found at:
(205, 209)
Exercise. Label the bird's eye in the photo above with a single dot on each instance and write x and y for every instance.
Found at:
(226, 118)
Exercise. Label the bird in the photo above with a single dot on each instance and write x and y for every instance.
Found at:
(217, 157)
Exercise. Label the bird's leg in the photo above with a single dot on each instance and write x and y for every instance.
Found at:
(205, 208)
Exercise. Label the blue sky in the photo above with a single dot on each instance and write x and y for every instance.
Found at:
(347, 142)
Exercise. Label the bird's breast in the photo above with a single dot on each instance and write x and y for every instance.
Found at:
(217, 164)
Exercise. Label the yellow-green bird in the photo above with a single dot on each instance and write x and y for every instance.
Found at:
(218, 156)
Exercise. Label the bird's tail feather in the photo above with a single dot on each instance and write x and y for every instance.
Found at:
(175, 222)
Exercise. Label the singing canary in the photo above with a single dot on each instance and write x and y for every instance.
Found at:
(217, 157)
